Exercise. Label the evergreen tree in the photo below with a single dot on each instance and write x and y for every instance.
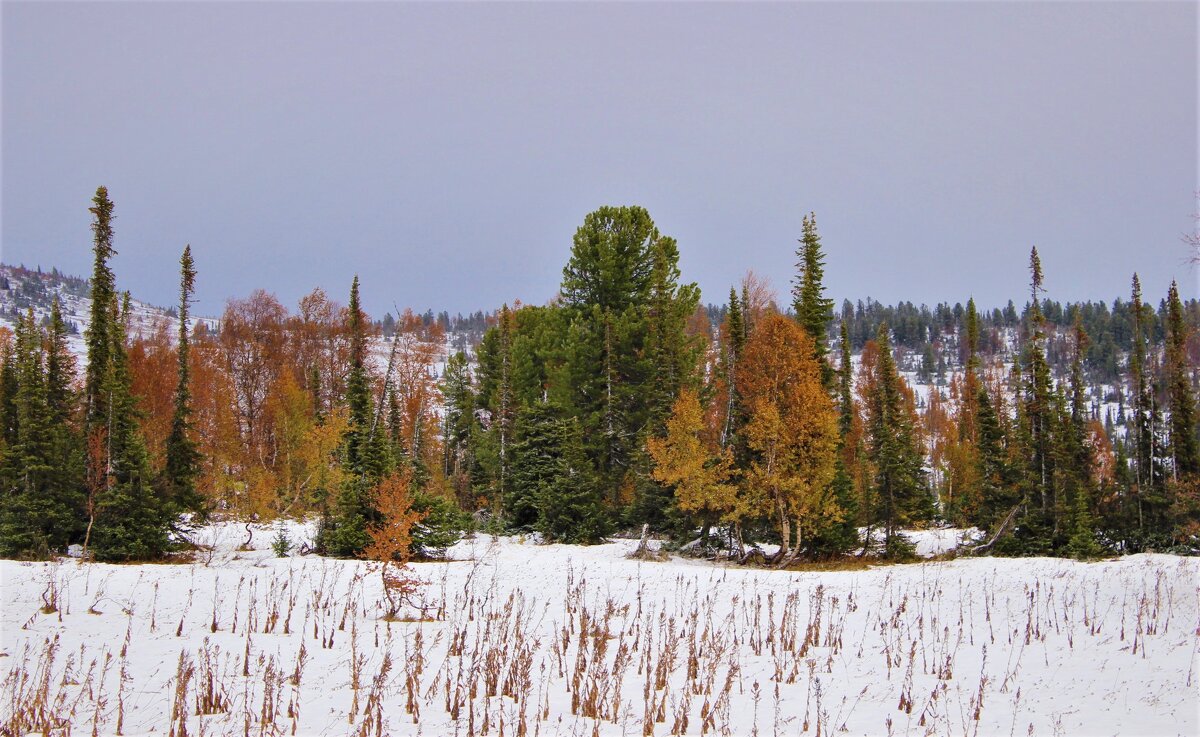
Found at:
(182, 457)
(1185, 455)
(1076, 459)
(621, 267)
(813, 310)
(28, 505)
(552, 487)
(1037, 423)
(457, 421)
(346, 533)
(735, 418)
(1141, 432)
(104, 294)
(127, 520)
(895, 451)
(997, 493)
(131, 522)
(8, 393)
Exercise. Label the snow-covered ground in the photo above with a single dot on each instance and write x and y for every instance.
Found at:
(550, 639)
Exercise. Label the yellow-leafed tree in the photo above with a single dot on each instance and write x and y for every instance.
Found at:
(682, 460)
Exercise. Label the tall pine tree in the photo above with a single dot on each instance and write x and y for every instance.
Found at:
(182, 456)
(1185, 456)
(813, 310)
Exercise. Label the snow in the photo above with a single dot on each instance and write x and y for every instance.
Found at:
(1031, 646)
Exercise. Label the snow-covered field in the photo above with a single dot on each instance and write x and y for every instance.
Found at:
(522, 639)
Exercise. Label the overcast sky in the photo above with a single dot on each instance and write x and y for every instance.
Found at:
(447, 153)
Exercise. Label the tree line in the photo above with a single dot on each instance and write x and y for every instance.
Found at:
(621, 403)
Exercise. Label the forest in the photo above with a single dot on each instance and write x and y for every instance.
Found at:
(748, 430)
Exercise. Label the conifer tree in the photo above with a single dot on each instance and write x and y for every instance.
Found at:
(1076, 459)
(622, 272)
(813, 310)
(182, 457)
(967, 426)
(99, 331)
(895, 452)
(997, 493)
(8, 393)
(1185, 456)
(346, 533)
(131, 522)
(736, 346)
(127, 520)
(845, 384)
(1141, 433)
(28, 508)
(1037, 420)
(552, 487)
(458, 419)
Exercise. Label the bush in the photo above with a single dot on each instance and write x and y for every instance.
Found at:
(281, 544)
(442, 525)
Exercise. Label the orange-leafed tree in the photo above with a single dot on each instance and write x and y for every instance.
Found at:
(791, 431)
(214, 421)
(253, 340)
(414, 423)
(391, 539)
(152, 360)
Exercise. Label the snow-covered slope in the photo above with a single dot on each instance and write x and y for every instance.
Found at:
(22, 289)
(546, 639)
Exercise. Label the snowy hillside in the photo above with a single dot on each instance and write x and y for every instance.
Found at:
(524, 639)
(22, 289)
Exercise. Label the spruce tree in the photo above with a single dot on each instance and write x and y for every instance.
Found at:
(182, 456)
(104, 294)
(131, 522)
(813, 310)
(552, 488)
(1037, 422)
(735, 346)
(346, 533)
(1141, 432)
(1185, 456)
(127, 520)
(458, 415)
(28, 511)
(8, 393)
(1076, 460)
(895, 451)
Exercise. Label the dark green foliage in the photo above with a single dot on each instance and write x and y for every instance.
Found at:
(813, 310)
(842, 536)
(131, 522)
(182, 468)
(364, 456)
(626, 352)
(36, 513)
(1185, 455)
(442, 524)
(104, 294)
(894, 448)
(553, 486)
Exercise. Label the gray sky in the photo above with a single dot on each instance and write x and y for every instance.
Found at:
(448, 152)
